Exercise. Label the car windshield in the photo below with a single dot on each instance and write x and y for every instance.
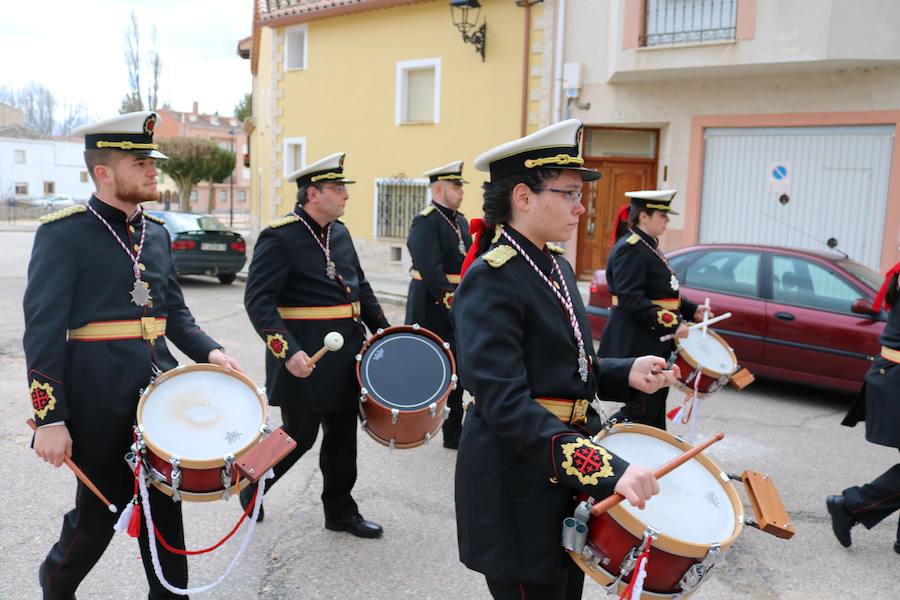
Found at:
(867, 275)
(178, 222)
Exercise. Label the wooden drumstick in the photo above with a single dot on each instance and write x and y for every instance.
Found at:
(333, 342)
(610, 501)
(81, 476)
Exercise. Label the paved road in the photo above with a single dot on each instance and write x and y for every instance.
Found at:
(790, 432)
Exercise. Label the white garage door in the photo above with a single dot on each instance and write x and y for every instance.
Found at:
(798, 187)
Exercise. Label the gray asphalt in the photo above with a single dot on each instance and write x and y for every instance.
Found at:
(790, 432)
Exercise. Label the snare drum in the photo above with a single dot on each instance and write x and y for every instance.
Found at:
(695, 517)
(710, 358)
(194, 422)
(405, 375)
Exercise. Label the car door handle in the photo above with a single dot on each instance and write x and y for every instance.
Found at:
(784, 316)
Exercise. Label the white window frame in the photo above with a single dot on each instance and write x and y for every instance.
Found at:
(287, 168)
(17, 153)
(20, 184)
(381, 180)
(288, 31)
(403, 69)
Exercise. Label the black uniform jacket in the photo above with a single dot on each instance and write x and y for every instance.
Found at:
(878, 403)
(636, 275)
(288, 269)
(79, 274)
(518, 465)
(434, 248)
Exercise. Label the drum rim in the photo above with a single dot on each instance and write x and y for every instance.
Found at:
(186, 462)
(406, 329)
(403, 445)
(666, 542)
(187, 496)
(705, 370)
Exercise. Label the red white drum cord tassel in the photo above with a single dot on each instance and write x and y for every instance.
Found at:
(636, 585)
(154, 550)
(689, 410)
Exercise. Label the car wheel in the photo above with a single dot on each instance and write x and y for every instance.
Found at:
(227, 278)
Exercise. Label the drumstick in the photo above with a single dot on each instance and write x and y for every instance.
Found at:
(610, 501)
(333, 342)
(81, 476)
(721, 317)
(705, 317)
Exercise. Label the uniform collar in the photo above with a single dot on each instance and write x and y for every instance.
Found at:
(110, 213)
(645, 236)
(540, 256)
(307, 218)
(449, 213)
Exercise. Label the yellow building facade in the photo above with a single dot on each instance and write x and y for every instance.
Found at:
(392, 84)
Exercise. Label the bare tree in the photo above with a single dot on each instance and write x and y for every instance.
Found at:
(74, 114)
(132, 100)
(38, 104)
(155, 64)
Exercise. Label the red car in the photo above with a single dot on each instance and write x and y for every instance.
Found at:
(797, 315)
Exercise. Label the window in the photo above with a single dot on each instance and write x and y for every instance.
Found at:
(805, 283)
(689, 21)
(20, 157)
(242, 196)
(636, 143)
(21, 189)
(84, 177)
(294, 154)
(49, 188)
(725, 271)
(223, 195)
(418, 91)
(245, 173)
(193, 196)
(295, 48)
(397, 201)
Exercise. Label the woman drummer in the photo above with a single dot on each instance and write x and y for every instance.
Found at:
(525, 353)
(645, 298)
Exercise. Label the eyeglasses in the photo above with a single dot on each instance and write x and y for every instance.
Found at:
(573, 196)
(337, 187)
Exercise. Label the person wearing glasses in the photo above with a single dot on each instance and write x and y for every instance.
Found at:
(646, 303)
(524, 352)
(305, 281)
(438, 242)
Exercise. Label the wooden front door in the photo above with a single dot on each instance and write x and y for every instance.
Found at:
(602, 200)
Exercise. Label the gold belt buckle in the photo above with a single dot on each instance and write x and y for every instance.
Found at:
(149, 329)
(355, 310)
(579, 412)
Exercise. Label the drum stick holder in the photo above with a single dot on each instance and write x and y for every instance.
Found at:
(257, 461)
(771, 516)
(575, 529)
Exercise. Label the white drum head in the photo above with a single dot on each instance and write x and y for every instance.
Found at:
(201, 415)
(709, 352)
(692, 504)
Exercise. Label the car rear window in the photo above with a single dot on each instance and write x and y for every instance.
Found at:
(725, 271)
(178, 222)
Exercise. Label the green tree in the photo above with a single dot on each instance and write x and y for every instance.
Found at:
(192, 160)
(218, 168)
(244, 108)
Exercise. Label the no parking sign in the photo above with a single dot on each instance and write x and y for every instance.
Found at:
(778, 176)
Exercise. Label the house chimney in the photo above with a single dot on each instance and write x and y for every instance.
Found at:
(196, 107)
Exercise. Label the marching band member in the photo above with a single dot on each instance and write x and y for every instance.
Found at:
(304, 282)
(438, 242)
(877, 405)
(646, 302)
(102, 276)
(525, 353)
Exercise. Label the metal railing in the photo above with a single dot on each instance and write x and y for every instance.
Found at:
(689, 21)
(397, 201)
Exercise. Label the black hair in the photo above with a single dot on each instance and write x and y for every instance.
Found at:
(303, 193)
(497, 203)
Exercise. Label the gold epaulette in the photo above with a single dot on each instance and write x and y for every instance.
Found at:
(427, 210)
(498, 256)
(633, 239)
(63, 213)
(556, 249)
(284, 221)
(150, 217)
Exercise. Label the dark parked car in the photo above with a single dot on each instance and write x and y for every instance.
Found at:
(203, 245)
(798, 315)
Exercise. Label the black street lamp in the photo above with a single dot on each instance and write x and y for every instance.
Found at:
(459, 12)
(231, 183)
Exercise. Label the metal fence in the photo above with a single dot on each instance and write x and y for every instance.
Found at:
(689, 21)
(397, 201)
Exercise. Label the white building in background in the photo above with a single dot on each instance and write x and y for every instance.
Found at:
(33, 165)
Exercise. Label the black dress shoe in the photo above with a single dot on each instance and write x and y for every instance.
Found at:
(897, 546)
(841, 519)
(246, 496)
(355, 525)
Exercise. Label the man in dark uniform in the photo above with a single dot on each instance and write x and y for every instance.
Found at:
(304, 282)
(878, 404)
(101, 298)
(438, 242)
(525, 354)
(646, 301)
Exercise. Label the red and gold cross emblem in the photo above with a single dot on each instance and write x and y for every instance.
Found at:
(277, 345)
(42, 398)
(587, 461)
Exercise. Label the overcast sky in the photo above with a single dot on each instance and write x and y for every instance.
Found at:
(76, 48)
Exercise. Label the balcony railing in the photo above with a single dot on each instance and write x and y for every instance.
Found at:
(689, 21)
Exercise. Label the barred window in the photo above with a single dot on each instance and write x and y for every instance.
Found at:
(397, 201)
(689, 21)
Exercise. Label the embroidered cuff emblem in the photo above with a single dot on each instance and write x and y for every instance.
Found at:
(586, 461)
(42, 398)
(666, 318)
(277, 345)
(448, 300)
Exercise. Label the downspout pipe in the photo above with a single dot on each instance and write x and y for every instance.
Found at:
(559, 58)
(526, 69)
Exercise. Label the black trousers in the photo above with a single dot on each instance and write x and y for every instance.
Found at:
(649, 409)
(88, 528)
(568, 586)
(873, 502)
(452, 427)
(337, 457)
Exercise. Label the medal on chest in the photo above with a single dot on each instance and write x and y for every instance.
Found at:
(140, 292)
(330, 269)
(673, 282)
(462, 248)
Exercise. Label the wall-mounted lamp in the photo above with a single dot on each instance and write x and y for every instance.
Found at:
(466, 23)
